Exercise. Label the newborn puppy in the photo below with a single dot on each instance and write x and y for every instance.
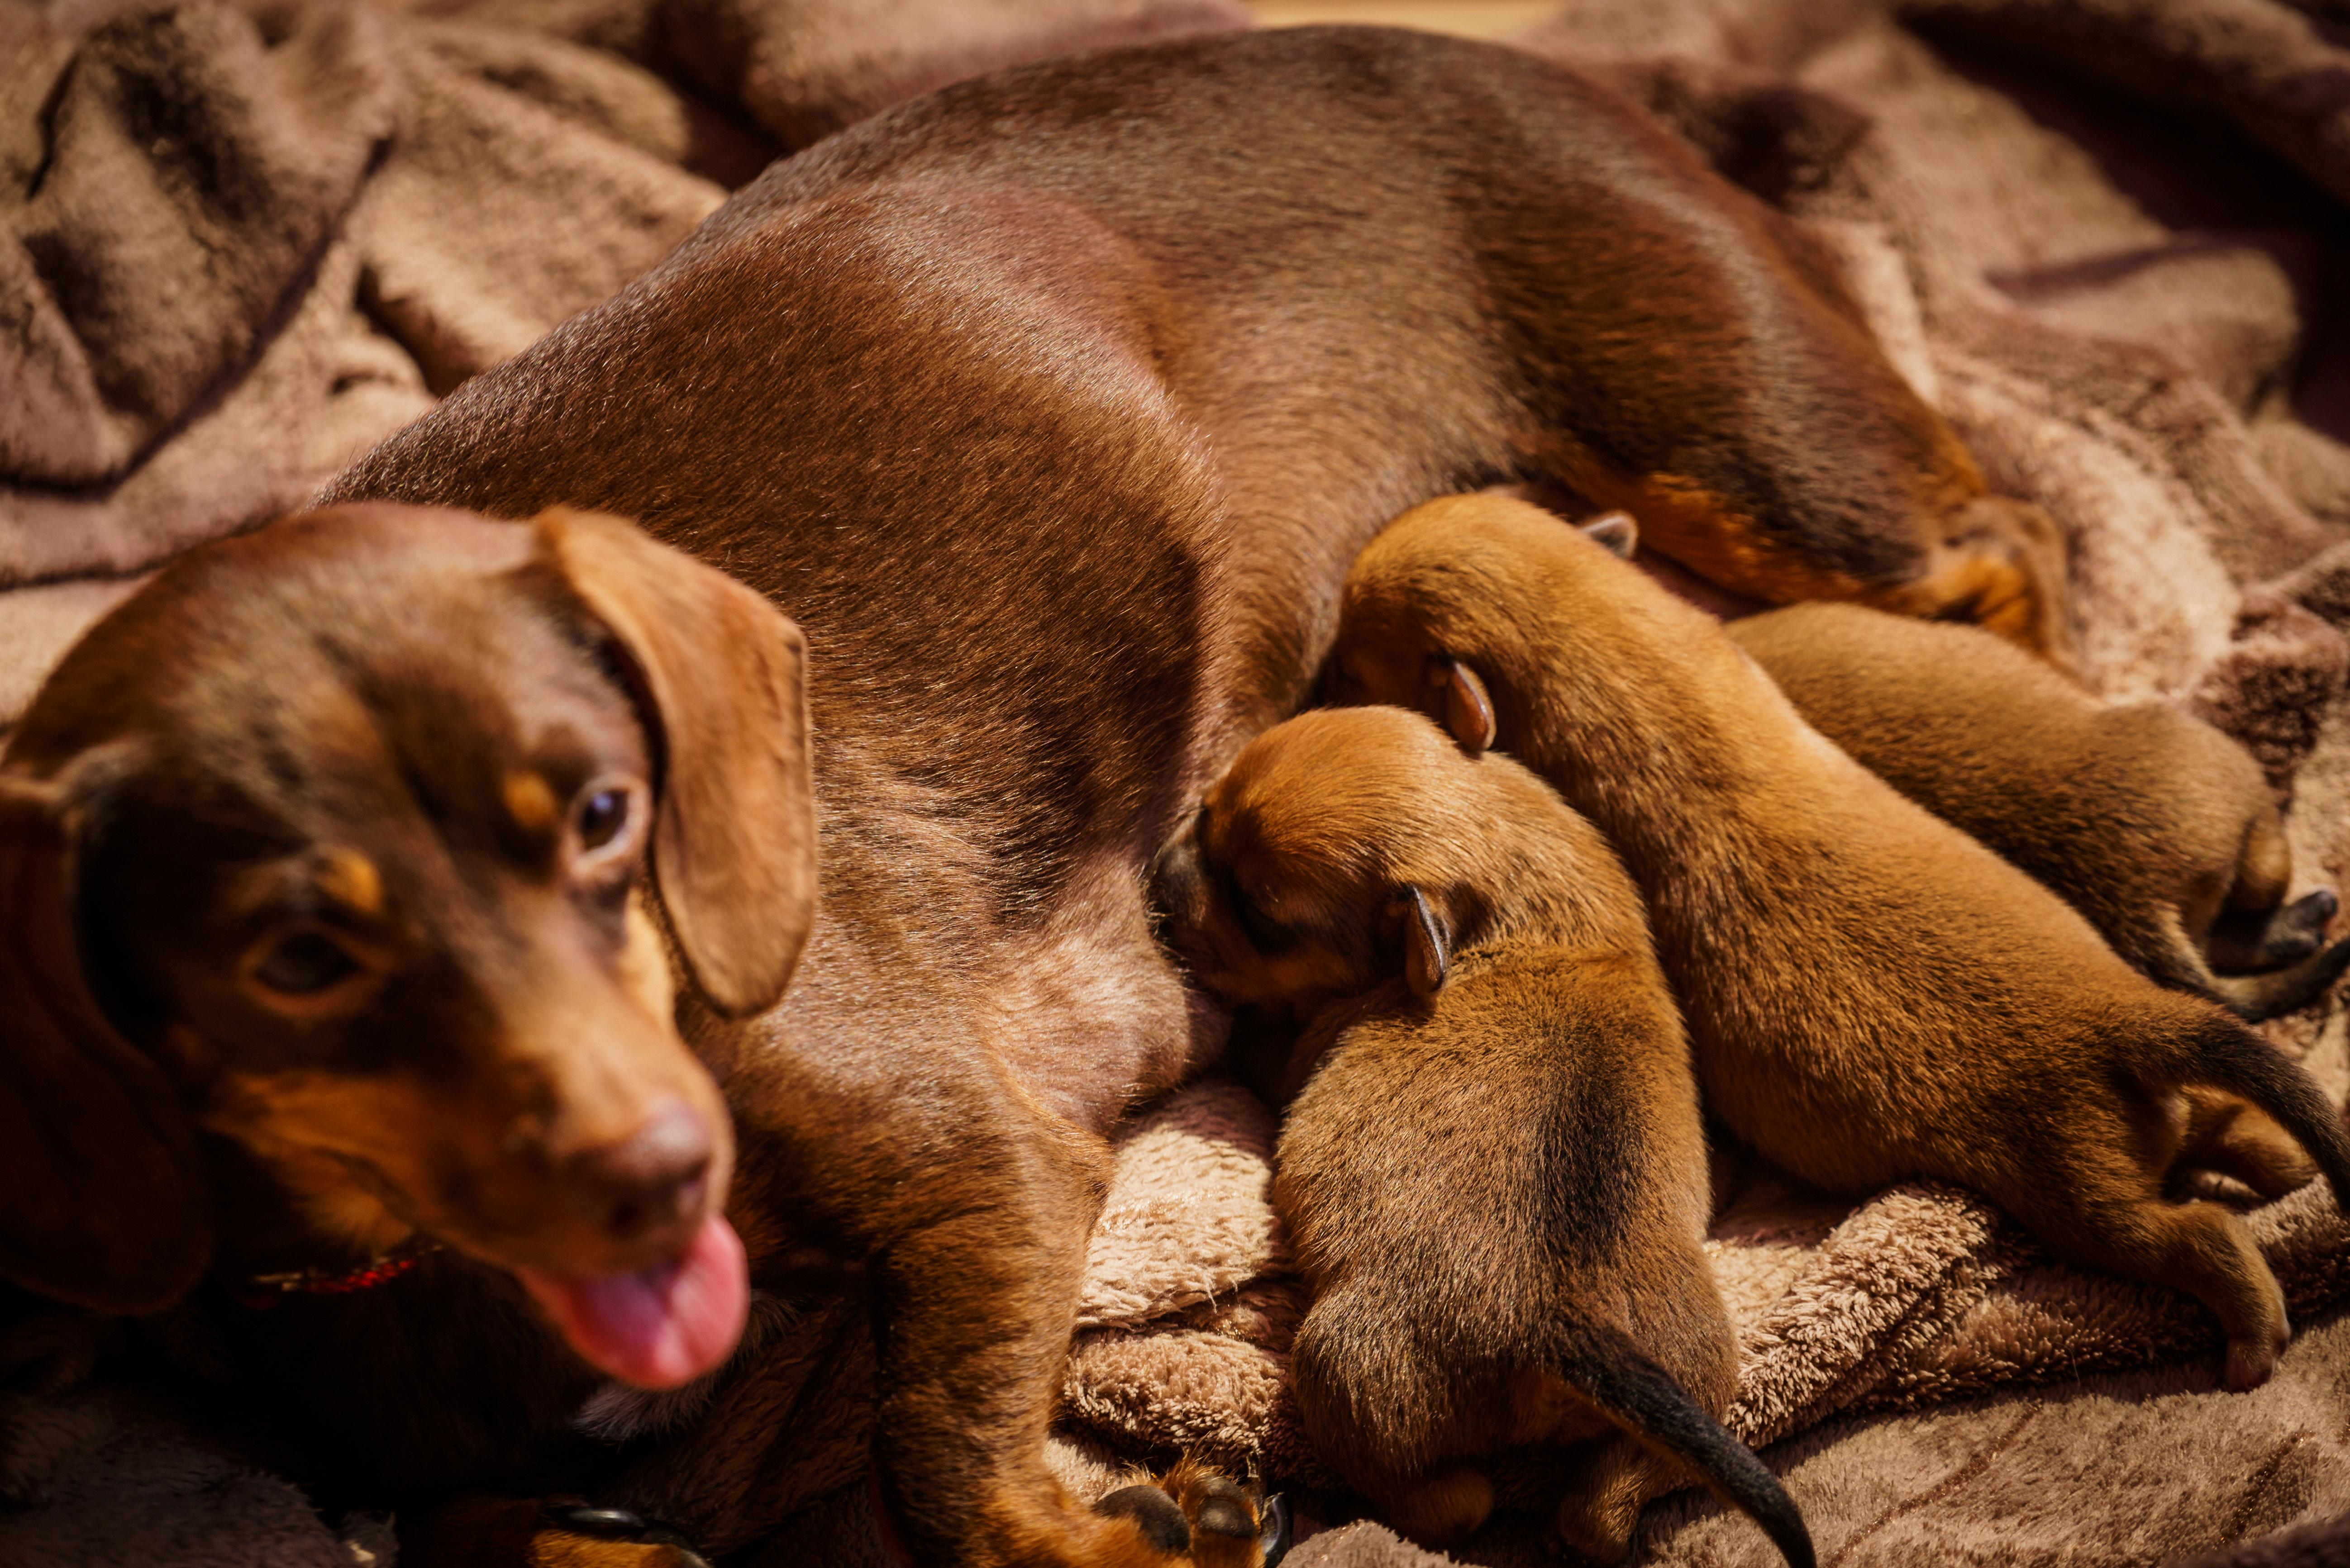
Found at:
(1494, 1176)
(1873, 996)
(2151, 823)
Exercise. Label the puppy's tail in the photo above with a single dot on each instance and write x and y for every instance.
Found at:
(2227, 1056)
(1643, 1398)
(2254, 997)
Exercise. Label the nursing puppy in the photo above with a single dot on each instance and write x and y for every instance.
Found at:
(1873, 996)
(2155, 826)
(1495, 1177)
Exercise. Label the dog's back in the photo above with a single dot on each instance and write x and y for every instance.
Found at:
(1144, 346)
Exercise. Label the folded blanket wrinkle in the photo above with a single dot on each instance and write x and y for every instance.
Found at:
(193, 173)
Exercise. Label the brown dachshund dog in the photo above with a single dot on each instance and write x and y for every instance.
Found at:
(409, 968)
(1873, 995)
(1051, 407)
(1495, 1177)
(2151, 823)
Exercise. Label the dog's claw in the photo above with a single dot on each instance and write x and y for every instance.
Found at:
(1274, 1529)
(619, 1526)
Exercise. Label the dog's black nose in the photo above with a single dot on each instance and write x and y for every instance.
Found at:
(654, 1176)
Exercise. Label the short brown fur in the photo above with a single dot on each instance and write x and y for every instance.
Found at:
(1494, 1175)
(1873, 996)
(2159, 828)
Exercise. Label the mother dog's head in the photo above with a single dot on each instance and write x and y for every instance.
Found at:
(337, 840)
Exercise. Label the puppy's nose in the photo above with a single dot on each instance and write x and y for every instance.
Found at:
(655, 1176)
(1174, 884)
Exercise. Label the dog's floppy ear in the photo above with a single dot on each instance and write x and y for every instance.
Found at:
(1461, 702)
(102, 1198)
(1427, 945)
(723, 675)
(1618, 532)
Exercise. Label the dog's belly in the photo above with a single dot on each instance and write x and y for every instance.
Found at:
(1089, 1017)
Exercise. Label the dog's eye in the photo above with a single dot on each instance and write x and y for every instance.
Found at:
(602, 816)
(304, 964)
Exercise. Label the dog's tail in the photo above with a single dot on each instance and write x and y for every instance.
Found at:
(1642, 1397)
(2255, 997)
(2223, 1053)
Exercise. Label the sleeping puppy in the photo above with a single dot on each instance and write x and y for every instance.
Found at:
(1494, 1176)
(2151, 823)
(1873, 996)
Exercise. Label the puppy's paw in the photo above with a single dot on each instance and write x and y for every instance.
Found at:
(2251, 1362)
(1194, 1514)
(2298, 930)
(1441, 1509)
(2244, 942)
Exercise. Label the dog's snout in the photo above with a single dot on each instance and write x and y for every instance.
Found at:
(655, 1176)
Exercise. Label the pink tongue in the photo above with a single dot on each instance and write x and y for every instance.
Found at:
(660, 1326)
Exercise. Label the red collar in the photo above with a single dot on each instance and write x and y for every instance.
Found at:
(268, 1289)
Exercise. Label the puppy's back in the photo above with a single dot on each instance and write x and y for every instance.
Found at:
(1543, 1104)
(2137, 816)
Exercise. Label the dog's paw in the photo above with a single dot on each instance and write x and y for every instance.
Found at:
(580, 1535)
(534, 1533)
(1196, 1515)
(2251, 1362)
(2298, 930)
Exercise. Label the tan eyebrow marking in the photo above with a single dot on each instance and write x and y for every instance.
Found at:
(529, 801)
(350, 879)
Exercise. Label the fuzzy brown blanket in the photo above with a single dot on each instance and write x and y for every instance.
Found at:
(2107, 264)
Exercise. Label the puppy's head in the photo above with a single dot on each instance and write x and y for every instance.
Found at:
(344, 841)
(1442, 583)
(1344, 849)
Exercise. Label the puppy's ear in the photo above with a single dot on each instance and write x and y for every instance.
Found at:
(1461, 699)
(1427, 945)
(723, 681)
(1618, 532)
(102, 1198)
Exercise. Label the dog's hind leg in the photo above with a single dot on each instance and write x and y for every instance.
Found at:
(2254, 928)
(1602, 1506)
(2197, 1247)
(2236, 1138)
(2002, 566)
